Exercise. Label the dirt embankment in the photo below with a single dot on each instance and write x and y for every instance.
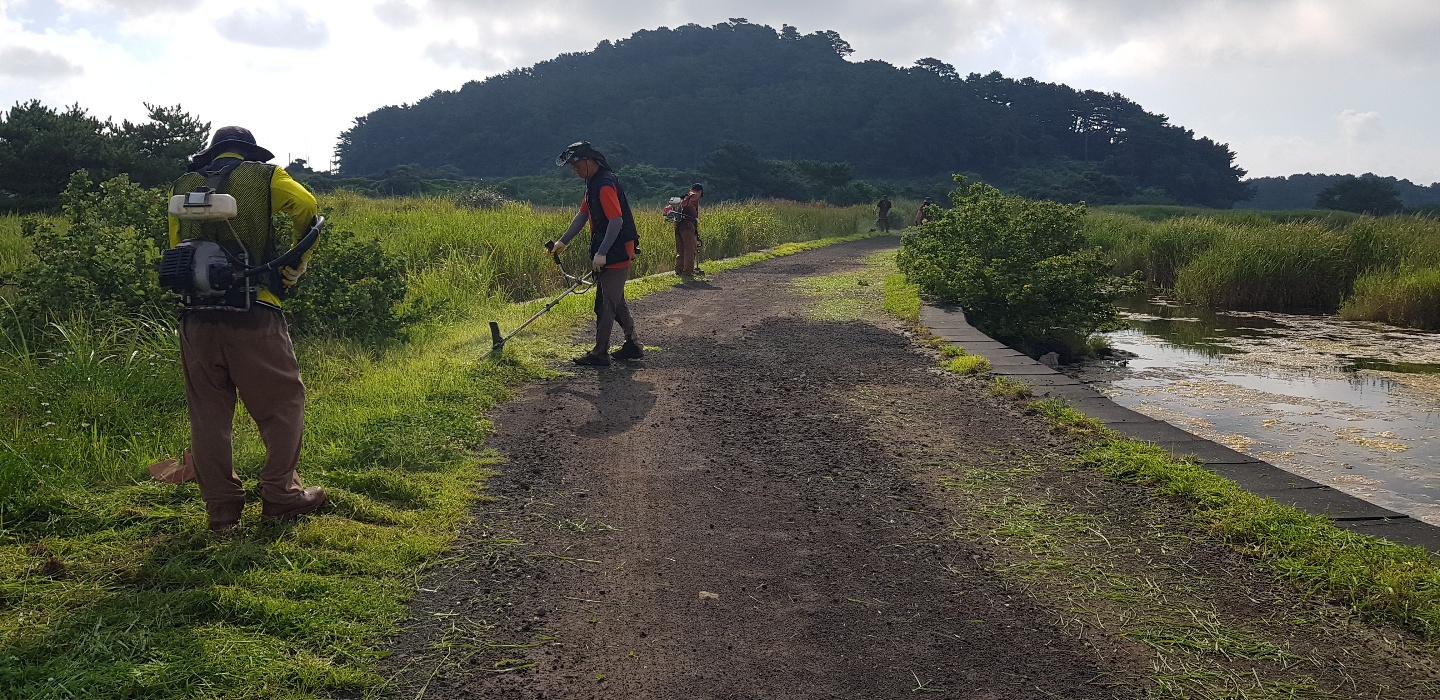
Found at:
(771, 506)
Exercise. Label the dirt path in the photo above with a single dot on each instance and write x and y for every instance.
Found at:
(777, 507)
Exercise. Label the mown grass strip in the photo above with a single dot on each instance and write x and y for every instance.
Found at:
(1384, 581)
(120, 592)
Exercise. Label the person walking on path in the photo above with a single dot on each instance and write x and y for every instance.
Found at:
(687, 233)
(613, 244)
(248, 352)
(883, 207)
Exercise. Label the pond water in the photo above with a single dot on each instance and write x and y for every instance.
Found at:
(1354, 405)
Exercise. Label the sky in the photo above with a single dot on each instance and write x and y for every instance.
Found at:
(1292, 86)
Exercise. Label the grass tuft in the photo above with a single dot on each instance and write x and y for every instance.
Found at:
(1010, 388)
(968, 365)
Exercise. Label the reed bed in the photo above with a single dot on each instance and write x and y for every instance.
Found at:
(457, 255)
(1366, 268)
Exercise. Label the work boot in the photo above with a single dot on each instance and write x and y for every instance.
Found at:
(631, 350)
(224, 517)
(310, 500)
(593, 359)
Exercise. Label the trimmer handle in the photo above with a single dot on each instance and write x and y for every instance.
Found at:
(550, 246)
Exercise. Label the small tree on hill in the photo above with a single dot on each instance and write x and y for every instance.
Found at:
(1363, 195)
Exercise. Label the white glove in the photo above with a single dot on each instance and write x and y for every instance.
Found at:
(598, 263)
(557, 247)
(293, 274)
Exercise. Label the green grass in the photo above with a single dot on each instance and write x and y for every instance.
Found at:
(1386, 582)
(1010, 388)
(967, 364)
(111, 587)
(902, 299)
(1404, 297)
(1372, 268)
(458, 256)
(13, 246)
(1158, 212)
(850, 296)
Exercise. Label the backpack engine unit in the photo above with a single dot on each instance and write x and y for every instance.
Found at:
(206, 275)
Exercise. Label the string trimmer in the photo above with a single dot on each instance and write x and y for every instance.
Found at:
(579, 285)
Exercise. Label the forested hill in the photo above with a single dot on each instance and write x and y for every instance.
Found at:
(671, 97)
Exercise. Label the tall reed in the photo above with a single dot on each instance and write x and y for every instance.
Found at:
(1369, 268)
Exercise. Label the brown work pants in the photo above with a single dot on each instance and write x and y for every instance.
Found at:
(249, 352)
(610, 307)
(687, 244)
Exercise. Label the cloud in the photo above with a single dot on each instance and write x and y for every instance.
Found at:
(1359, 126)
(30, 64)
(284, 28)
(450, 53)
(397, 14)
(142, 8)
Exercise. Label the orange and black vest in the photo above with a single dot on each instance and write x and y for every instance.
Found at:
(599, 222)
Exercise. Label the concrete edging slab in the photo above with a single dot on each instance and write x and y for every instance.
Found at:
(1256, 476)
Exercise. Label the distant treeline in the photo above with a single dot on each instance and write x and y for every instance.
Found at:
(735, 172)
(672, 98)
(1300, 191)
(41, 146)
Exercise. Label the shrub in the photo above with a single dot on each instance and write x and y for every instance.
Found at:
(352, 289)
(102, 266)
(1020, 268)
(481, 198)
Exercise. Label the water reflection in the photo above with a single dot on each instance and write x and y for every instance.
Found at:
(1354, 405)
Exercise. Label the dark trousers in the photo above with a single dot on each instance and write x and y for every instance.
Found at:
(249, 354)
(610, 307)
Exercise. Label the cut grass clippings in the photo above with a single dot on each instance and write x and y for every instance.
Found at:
(1385, 582)
(122, 592)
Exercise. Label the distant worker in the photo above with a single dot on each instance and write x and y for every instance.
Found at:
(687, 233)
(239, 343)
(613, 244)
(883, 207)
(924, 216)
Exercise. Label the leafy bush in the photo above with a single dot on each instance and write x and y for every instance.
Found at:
(351, 289)
(103, 265)
(1020, 268)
